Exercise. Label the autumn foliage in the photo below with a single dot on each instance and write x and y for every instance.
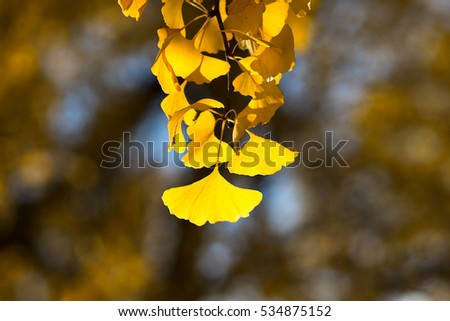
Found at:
(253, 37)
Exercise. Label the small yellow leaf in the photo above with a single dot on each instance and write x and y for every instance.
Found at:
(165, 75)
(301, 28)
(211, 199)
(182, 56)
(187, 62)
(176, 136)
(161, 68)
(208, 38)
(175, 101)
(133, 8)
(260, 156)
(274, 17)
(245, 15)
(248, 83)
(172, 13)
(205, 149)
(270, 96)
(209, 69)
(279, 57)
(250, 117)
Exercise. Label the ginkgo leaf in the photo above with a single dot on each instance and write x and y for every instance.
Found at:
(260, 109)
(250, 117)
(211, 199)
(161, 67)
(208, 38)
(205, 149)
(274, 17)
(260, 156)
(175, 101)
(270, 96)
(172, 13)
(165, 75)
(301, 30)
(190, 64)
(182, 56)
(176, 136)
(279, 57)
(245, 15)
(248, 83)
(133, 8)
(208, 70)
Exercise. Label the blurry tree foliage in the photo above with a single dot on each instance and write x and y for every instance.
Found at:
(77, 75)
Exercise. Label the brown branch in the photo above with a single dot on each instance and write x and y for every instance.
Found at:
(216, 12)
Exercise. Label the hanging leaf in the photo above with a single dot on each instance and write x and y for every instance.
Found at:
(211, 199)
(176, 136)
(172, 13)
(260, 156)
(205, 149)
(133, 8)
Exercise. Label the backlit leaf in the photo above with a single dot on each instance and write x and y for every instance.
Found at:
(245, 15)
(205, 149)
(133, 8)
(260, 156)
(175, 101)
(172, 13)
(211, 199)
(274, 17)
(164, 72)
(182, 56)
(208, 70)
(208, 38)
(176, 136)
(280, 57)
(250, 117)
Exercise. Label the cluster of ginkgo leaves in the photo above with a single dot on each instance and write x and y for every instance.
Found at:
(254, 36)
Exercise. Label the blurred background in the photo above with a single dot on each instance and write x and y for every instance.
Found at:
(76, 75)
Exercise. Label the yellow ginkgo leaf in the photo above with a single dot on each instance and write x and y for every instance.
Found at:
(270, 96)
(165, 75)
(172, 13)
(274, 17)
(208, 38)
(260, 156)
(248, 83)
(280, 56)
(301, 28)
(211, 199)
(133, 8)
(208, 70)
(205, 149)
(176, 136)
(187, 62)
(161, 68)
(175, 101)
(250, 117)
(245, 15)
(182, 56)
